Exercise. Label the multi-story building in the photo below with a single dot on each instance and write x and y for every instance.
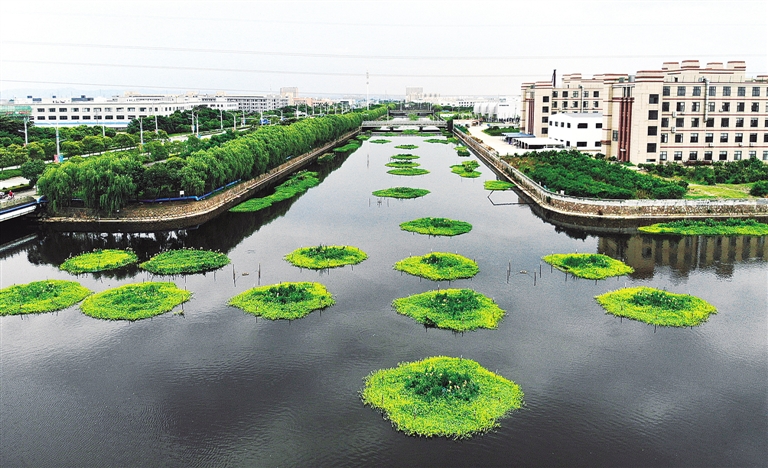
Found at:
(682, 112)
(583, 131)
(258, 102)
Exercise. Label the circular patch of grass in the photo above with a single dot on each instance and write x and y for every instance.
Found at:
(283, 301)
(657, 307)
(467, 169)
(401, 192)
(41, 296)
(590, 266)
(326, 256)
(99, 260)
(453, 309)
(412, 171)
(441, 396)
(380, 141)
(436, 226)
(135, 301)
(439, 266)
(437, 140)
(497, 185)
(408, 147)
(404, 157)
(709, 227)
(183, 261)
(402, 164)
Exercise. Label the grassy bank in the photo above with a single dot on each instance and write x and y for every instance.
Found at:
(441, 396)
(657, 307)
(41, 296)
(135, 301)
(99, 260)
(709, 227)
(452, 309)
(401, 192)
(287, 301)
(326, 256)
(590, 266)
(436, 226)
(439, 266)
(175, 262)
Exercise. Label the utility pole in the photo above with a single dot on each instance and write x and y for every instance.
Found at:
(141, 131)
(58, 148)
(26, 138)
(367, 100)
(221, 119)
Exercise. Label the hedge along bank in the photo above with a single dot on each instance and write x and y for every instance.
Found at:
(109, 182)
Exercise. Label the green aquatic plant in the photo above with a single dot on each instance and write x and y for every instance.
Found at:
(439, 266)
(497, 185)
(135, 301)
(401, 192)
(657, 307)
(467, 169)
(327, 157)
(402, 164)
(380, 141)
(436, 226)
(441, 396)
(348, 148)
(287, 301)
(404, 157)
(298, 183)
(41, 296)
(408, 147)
(438, 140)
(183, 261)
(326, 256)
(709, 227)
(453, 309)
(409, 171)
(590, 266)
(462, 151)
(99, 260)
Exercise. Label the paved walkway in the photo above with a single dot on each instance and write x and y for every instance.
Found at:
(497, 143)
(12, 182)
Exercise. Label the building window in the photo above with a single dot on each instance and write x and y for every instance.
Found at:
(726, 107)
(695, 122)
(679, 122)
(63, 117)
(108, 117)
(74, 109)
(753, 155)
(653, 131)
(664, 122)
(554, 104)
(723, 138)
(581, 125)
(695, 107)
(723, 156)
(665, 91)
(739, 107)
(765, 155)
(678, 156)
(680, 107)
(75, 117)
(755, 91)
(598, 144)
(681, 90)
(755, 107)
(712, 91)
(599, 125)
(711, 107)
(724, 122)
(595, 104)
(565, 93)
(554, 93)
(697, 90)
(544, 131)
(546, 98)
(662, 156)
(707, 155)
(652, 98)
(765, 137)
(710, 122)
(42, 117)
(665, 137)
(581, 144)
(665, 107)
(565, 104)
(737, 155)
(709, 138)
(739, 138)
(568, 125)
(545, 109)
(544, 119)
(678, 138)
(596, 94)
(741, 91)
(693, 156)
(739, 122)
(650, 148)
(753, 122)
(615, 135)
(51, 117)
(653, 115)
(753, 137)
(694, 137)
(726, 90)
(575, 104)
(86, 117)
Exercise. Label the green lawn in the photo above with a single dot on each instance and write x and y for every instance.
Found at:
(718, 191)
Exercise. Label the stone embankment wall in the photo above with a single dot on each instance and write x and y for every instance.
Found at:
(638, 209)
(184, 214)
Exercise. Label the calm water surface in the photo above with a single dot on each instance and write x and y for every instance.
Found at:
(217, 387)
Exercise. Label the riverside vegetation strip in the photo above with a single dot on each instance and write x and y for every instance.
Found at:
(441, 396)
(436, 226)
(41, 296)
(589, 266)
(709, 227)
(184, 261)
(99, 260)
(326, 256)
(657, 307)
(298, 183)
(287, 301)
(453, 309)
(439, 266)
(135, 301)
(401, 192)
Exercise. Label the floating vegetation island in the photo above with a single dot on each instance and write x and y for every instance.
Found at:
(41, 296)
(436, 226)
(326, 256)
(184, 261)
(402, 164)
(380, 141)
(348, 148)
(401, 192)
(287, 301)
(362, 137)
(439, 266)
(497, 185)
(298, 183)
(441, 396)
(408, 147)
(438, 140)
(709, 227)
(135, 301)
(462, 151)
(657, 307)
(404, 157)
(99, 260)
(590, 266)
(453, 309)
(409, 171)
(326, 158)
(467, 169)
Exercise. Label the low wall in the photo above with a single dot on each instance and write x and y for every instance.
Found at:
(653, 210)
(140, 217)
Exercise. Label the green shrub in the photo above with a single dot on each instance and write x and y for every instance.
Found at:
(759, 188)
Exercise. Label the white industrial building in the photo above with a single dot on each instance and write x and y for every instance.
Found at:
(579, 131)
(502, 110)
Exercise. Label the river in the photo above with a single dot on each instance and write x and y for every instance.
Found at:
(218, 387)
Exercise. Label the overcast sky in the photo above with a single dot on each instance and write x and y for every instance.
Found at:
(446, 47)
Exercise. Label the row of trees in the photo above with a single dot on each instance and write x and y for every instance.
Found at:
(181, 121)
(720, 172)
(110, 181)
(579, 175)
